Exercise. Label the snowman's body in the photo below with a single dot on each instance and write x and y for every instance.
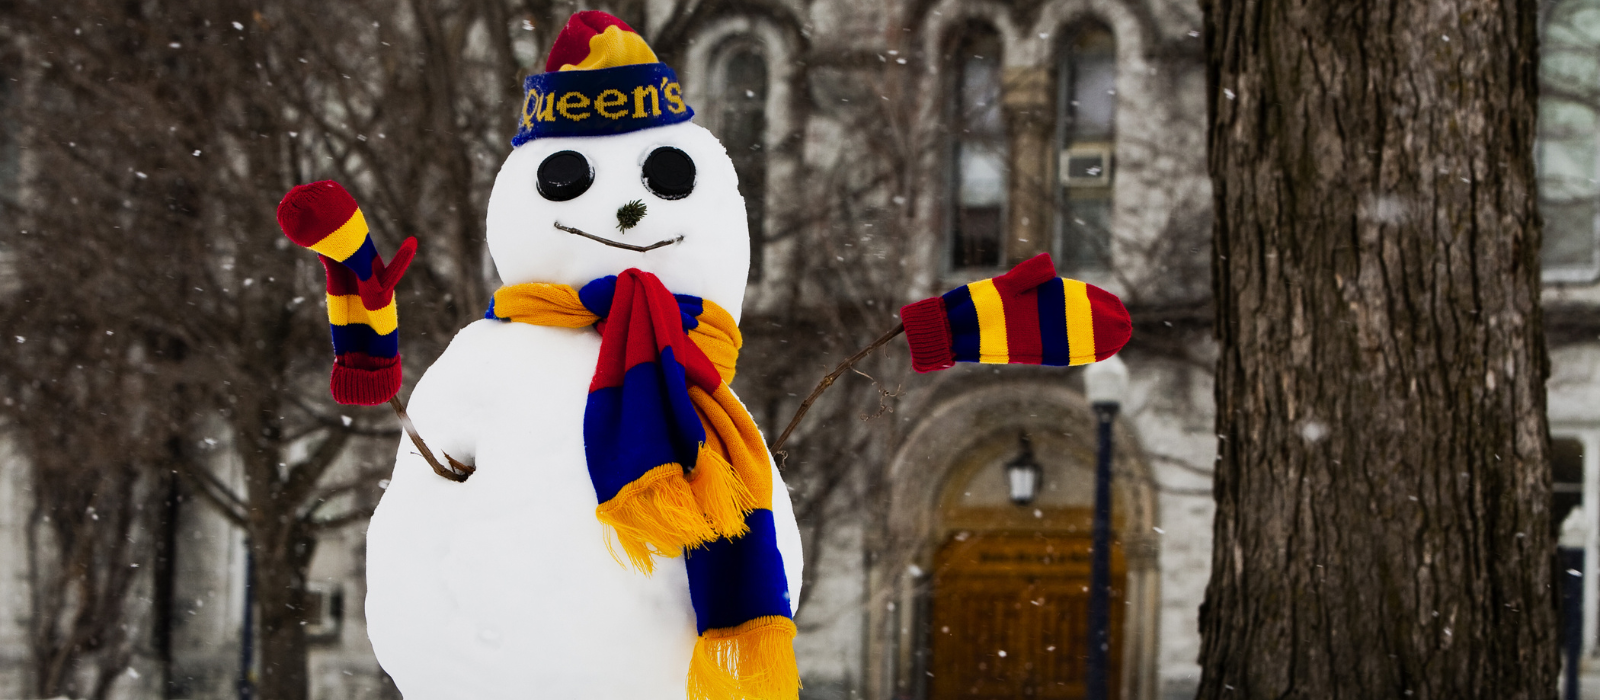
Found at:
(503, 586)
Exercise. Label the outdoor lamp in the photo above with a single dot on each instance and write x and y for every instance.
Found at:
(1107, 382)
(1023, 473)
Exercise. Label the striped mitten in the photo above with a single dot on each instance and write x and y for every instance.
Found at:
(324, 217)
(1025, 316)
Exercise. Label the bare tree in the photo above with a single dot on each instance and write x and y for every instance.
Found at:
(157, 296)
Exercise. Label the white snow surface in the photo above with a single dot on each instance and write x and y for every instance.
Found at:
(503, 586)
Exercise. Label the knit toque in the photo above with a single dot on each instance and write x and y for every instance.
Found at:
(601, 78)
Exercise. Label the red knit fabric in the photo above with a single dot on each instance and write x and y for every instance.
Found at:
(1027, 274)
(362, 380)
(310, 212)
(377, 290)
(1112, 325)
(928, 334)
(572, 45)
(1021, 301)
(341, 281)
(644, 322)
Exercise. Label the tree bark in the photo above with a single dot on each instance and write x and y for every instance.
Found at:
(282, 559)
(1382, 524)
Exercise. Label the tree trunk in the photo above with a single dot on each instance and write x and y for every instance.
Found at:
(283, 559)
(1382, 525)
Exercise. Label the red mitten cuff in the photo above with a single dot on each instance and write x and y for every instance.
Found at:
(364, 380)
(928, 334)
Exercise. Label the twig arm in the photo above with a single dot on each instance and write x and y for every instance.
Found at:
(777, 447)
(460, 471)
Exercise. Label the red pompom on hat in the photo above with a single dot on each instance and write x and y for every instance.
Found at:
(572, 46)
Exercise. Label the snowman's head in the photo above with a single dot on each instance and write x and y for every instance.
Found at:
(555, 196)
(609, 174)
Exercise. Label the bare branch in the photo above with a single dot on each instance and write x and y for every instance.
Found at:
(229, 504)
(341, 520)
(827, 381)
(304, 476)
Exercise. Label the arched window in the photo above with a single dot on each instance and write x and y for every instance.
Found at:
(978, 153)
(741, 124)
(1086, 131)
(1568, 151)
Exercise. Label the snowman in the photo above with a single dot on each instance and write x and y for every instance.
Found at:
(624, 532)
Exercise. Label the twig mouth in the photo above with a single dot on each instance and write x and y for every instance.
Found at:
(617, 244)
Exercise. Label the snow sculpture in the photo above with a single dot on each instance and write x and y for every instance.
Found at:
(624, 532)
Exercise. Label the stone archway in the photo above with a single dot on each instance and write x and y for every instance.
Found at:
(952, 535)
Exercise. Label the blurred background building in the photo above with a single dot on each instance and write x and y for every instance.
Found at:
(887, 151)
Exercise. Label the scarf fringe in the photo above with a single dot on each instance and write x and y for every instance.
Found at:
(722, 496)
(656, 515)
(730, 426)
(754, 661)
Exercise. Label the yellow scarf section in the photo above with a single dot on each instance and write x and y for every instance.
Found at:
(666, 511)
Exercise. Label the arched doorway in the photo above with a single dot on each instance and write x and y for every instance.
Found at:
(1009, 597)
(1009, 582)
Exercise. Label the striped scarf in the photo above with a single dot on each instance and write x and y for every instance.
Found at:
(679, 467)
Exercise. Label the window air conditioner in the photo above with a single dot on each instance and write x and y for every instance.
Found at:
(325, 611)
(1086, 165)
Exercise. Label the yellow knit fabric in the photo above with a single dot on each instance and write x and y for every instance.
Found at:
(666, 511)
(542, 304)
(614, 47)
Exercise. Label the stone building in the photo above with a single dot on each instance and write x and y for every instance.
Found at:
(1074, 127)
(1068, 127)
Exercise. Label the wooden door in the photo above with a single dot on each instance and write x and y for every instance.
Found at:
(1010, 617)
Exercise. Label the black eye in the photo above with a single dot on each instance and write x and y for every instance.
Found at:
(564, 176)
(668, 173)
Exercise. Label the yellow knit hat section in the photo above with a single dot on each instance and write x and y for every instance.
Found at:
(614, 47)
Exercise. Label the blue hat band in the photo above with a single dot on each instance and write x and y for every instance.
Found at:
(600, 102)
